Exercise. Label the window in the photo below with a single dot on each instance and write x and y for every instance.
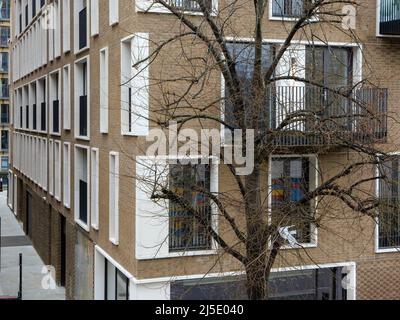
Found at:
(185, 231)
(57, 29)
(55, 114)
(389, 192)
(135, 85)
(81, 25)
(33, 105)
(4, 140)
(94, 191)
(82, 104)
(157, 222)
(4, 113)
(66, 97)
(104, 90)
(51, 167)
(4, 89)
(66, 25)
(289, 8)
(4, 36)
(113, 11)
(94, 17)
(292, 178)
(4, 62)
(4, 163)
(81, 187)
(114, 198)
(67, 174)
(116, 282)
(42, 107)
(4, 9)
(57, 170)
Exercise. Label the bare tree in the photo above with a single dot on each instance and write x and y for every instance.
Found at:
(292, 108)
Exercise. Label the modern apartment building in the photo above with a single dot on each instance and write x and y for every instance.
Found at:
(4, 91)
(76, 137)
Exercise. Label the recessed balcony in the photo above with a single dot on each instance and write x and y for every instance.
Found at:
(314, 116)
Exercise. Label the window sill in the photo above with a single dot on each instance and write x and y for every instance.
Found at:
(186, 254)
(82, 225)
(290, 19)
(388, 250)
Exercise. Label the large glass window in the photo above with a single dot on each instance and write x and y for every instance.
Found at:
(4, 62)
(313, 284)
(185, 230)
(243, 55)
(116, 283)
(4, 140)
(292, 179)
(389, 210)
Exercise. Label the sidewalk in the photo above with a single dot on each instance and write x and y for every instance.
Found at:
(15, 242)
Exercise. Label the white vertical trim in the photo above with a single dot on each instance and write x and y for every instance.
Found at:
(67, 175)
(113, 12)
(66, 105)
(94, 190)
(104, 90)
(114, 197)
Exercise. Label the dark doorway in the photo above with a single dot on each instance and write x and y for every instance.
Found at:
(29, 214)
(63, 251)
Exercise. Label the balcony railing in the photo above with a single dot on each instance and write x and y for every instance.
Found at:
(83, 109)
(305, 116)
(389, 23)
(189, 5)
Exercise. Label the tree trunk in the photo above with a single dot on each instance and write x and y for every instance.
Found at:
(257, 244)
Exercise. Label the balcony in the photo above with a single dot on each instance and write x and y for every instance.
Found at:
(389, 17)
(314, 116)
(187, 6)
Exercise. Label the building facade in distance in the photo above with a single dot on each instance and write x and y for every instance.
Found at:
(77, 138)
(4, 89)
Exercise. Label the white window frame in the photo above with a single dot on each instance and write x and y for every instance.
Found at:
(57, 170)
(378, 20)
(67, 175)
(104, 90)
(94, 17)
(114, 198)
(66, 8)
(51, 167)
(66, 96)
(85, 226)
(50, 102)
(76, 98)
(94, 187)
(314, 229)
(377, 248)
(113, 9)
(162, 249)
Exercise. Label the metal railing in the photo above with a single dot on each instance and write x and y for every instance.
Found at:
(189, 5)
(389, 17)
(305, 115)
